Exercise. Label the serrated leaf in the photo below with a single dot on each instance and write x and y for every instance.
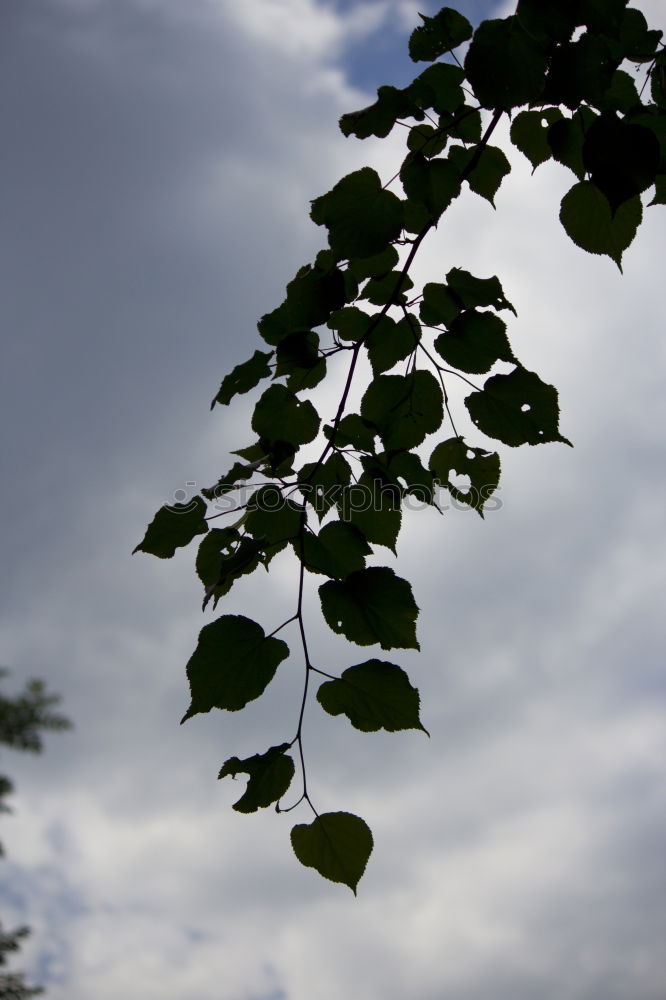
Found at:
(471, 292)
(403, 408)
(281, 416)
(232, 665)
(298, 358)
(580, 71)
(374, 267)
(223, 558)
(529, 133)
(390, 342)
(240, 472)
(373, 695)
(372, 606)
(350, 323)
(566, 137)
(438, 35)
(322, 483)
(406, 465)
(659, 190)
(273, 517)
(482, 468)
(373, 507)
(338, 550)
(517, 409)
(270, 775)
(622, 158)
(588, 219)
(173, 527)
(438, 87)
(486, 176)
(504, 64)
(311, 298)
(379, 118)
(381, 291)
(355, 431)
(243, 378)
(438, 306)
(362, 218)
(474, 342)
(427, 140)
(337, 845)
(434, 183)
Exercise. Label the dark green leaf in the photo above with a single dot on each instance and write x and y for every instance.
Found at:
(622, 94)
(338, 550)
(658, 80)
(239, 472)
(480, 466)
(637, 42)
(622, 158)
(438, 87)
(438, 34)
(438, 306)
(232, 664)
(373, 695)
(380, 117)
(311, 298)
(372, 606)
(272, 516)
(298, 358)
(464, 123)
(373, 507)
(219, 543)
(529, 133)
(566, 137)
(433, 183)
(362, 218)
(374, 267)
(580, 71)
(174, 527)
(587, 217)
(427, 140)
(350, 323)
(408, 467)
(659, 190)
(403, 408)
(487, 175)
(471, 292)
(390, 342)
(223, 557)
(475, 341)
(517, 409)
(243, 378)
(337, 845)
(505, 65)
(381, 291)
(322, 483)
(281, 416)
(355, 431)
(548, 21)
(269, 773)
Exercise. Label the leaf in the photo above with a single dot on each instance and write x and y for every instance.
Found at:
(622, 158)
(355, 431)
(270, 776)
(659, 190)
(322, 483)
(281, 416)
(529, 133)
(439, 305)
(566, 137)
(372, 606)
(173, 527)
(273, 517)
(381, 291)
(298, 358)
(482, 467)
(438, 87)
(337, 845)
(408, 467)
(243, 378)
(517, 409)
(580, 71)
(338, 550)
(438, 34)
(588, 219)
(487, 175)
(311, 298)
(403, 408)
(233, 664)
(427, 140)
(504, 64)
(223, 558)
(471, 292)
(434, 183)
(373, 507)
(379, 118)
(475, 341)
(390, 342)
(373, 695)
(374, 267)
(362, 218)
(350, 323)
(239, 472)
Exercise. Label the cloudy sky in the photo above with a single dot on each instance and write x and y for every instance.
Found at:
(158, 158)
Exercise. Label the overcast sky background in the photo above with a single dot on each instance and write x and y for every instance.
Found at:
(158, 158)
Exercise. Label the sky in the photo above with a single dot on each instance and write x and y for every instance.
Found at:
(158, 160)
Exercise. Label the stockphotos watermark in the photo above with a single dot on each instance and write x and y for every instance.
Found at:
(349, 499)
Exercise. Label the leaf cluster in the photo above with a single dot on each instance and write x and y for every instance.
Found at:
(566, 75)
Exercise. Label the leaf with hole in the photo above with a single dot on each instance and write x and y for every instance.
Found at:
(270, 776)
